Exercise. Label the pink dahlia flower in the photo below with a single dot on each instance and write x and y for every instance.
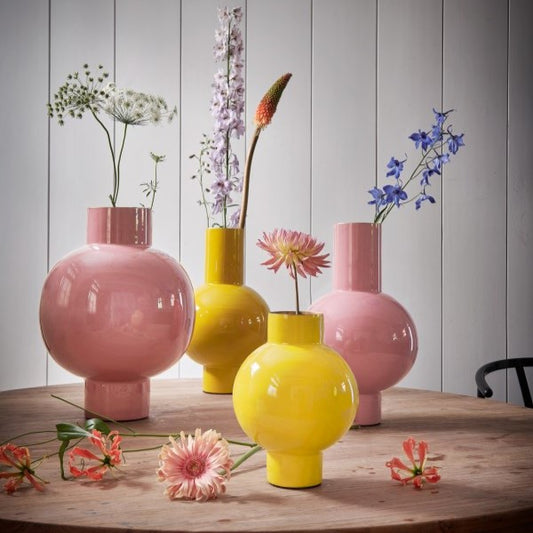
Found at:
(418, 472)
(196, 467)
(299, 252)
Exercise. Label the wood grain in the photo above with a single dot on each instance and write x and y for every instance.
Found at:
(483, 447)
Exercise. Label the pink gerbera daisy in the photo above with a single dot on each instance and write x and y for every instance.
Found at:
(298, 251)
(196, 467)
(418, 472)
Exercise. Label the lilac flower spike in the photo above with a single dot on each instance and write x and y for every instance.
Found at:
(227, 108)
(433, 144)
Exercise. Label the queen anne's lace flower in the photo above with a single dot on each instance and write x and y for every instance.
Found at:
(135, 108)
(196, 467)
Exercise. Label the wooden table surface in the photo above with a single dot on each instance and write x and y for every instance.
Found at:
(484, 448)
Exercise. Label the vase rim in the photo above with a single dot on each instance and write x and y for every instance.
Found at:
(122, 207)
(358, 224)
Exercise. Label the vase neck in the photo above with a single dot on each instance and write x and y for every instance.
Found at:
(119, 225)
(357, 262)
(292, 328)
(224, 256)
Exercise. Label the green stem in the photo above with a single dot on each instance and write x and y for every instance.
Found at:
(110, 144)
(294, 271)
(117, 181)
(246, 456)
(246, 180)
(16, 437)
(102, 417)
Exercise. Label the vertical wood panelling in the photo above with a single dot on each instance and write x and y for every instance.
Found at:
(152, 65)
(344, 118)
(279, 41)
(366, 74)
(520, 188)
(474, 232)
(80, 162)
(23, 175)
(409, 86)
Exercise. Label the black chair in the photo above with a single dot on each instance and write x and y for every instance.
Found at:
(483, 389)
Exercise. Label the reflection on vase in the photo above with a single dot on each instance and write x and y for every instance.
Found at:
(231, 318)
(370, 329)
(295, 397)
(117, 312)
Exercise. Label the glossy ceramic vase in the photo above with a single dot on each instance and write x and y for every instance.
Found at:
(295, 397)
(231, 318)
(117, 312)
(370, 329)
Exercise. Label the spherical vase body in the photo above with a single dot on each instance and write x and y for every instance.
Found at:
(231, 318)
(117, 311)
(370, 329)
(295, 397)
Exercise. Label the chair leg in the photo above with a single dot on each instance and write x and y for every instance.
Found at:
(524, 387)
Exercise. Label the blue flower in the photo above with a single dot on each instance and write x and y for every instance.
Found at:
(440, 116)
(421, 138)
(396, 167)
(394, 194)
(422, 198)
(455, 141)
(378, 197)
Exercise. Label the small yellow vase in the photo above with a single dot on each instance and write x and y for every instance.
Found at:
(231, 318)
(295, 397)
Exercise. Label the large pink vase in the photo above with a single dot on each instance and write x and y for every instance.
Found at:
(370, 329)
(117, 312)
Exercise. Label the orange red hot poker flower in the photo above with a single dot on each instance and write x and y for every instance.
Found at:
(269, 103)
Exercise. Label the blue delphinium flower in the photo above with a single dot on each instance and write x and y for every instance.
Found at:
(421, 138)
(396, 167)
(394, 194)
(433, 145)
(454, 142)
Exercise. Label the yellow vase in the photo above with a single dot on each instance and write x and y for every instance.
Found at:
(295, 397)
(231, 318)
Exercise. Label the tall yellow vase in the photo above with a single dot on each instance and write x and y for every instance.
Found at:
(295, 397)
(231, 318)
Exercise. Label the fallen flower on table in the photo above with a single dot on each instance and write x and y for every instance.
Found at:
(18, 457)
(84, 463)
(197, 467)
(418, 472)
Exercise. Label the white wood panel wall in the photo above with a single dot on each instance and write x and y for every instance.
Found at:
(366, 73)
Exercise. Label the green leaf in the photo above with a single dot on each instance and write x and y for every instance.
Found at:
(66, 432)
(98, 424)
(61, 453)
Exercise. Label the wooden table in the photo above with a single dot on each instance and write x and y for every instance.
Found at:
(484, 448)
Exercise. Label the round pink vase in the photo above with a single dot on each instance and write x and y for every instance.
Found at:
(117, 312)
(371, 330)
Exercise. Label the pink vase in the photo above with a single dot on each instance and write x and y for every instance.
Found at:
(371, 330)
(117, 312)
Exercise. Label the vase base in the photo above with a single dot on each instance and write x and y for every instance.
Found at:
(369, 410)
(218, 380)
(294, 471)
(115, 400)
